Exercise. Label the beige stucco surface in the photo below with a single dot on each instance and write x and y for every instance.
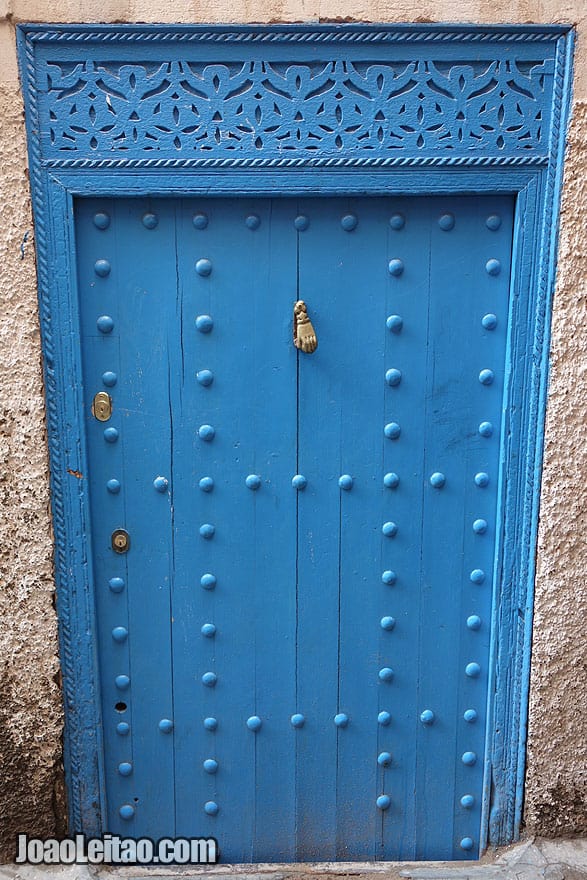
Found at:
(30, 708)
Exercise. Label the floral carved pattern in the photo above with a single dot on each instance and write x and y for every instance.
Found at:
(184, 108)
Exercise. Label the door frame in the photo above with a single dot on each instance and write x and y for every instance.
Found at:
(532, 172)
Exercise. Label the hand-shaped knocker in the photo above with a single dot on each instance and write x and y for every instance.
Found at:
(304, 335)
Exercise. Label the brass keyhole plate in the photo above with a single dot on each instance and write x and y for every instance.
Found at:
(120, 541)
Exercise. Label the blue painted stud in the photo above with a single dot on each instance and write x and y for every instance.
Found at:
(111, 435)
(395, 323)
(101, 220)
(301, 223)
(253, 481)
(480, 526)
(200, 221)
(204, 323)
(385, 674)
(489, 321)
(474, 622)
(116, 584)
(105, 324)
(297, 720)
(486, 377)
(109, 379)
(122, 682)
(299, 482)
(253, 221)
(477, 576)
(341, 719)
(395, 267)
(389, 529)
(391, 481)
(493, 222)
(126, 811)
(208, 581)
(125, 768)
(208, 630)
(150, 221)
(392, 430)
(349, 222)
(210, 723)
(437, 480)
(206, 484)
(389, 577)
(473, 670)
(397, 221)
(206, 432)
(384, 719)
(123, 728)
(482, 479)
(470, 716)
(493, 267)
(467, 843)
(387, 623)
(161, 484)
(207, 530)
(384, 802)
(211, 808)
(393, 377)
(205, 377)
(102, 268)
(446, 222)
(345, 482)
(209, 679)
(427, 717)
(210, 765)
(203, 267)
(120, 634)
(384, 759)
(165, 725)
(113, 486)
(469, 758)
(254, 723)
(467, 801)
(486, 429)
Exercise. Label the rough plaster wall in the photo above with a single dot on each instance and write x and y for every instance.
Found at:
(30, 710)
(30, 714)
(556, 786)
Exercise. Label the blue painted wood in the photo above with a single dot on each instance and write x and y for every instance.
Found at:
(133, 590)
(534, 175)
(268, 600)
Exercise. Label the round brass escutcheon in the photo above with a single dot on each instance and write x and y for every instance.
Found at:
(120, 541)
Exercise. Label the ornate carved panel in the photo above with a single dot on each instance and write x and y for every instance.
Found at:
(335, 94)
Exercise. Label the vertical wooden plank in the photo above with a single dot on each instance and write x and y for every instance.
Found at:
(356, 307)
(272, 260)
(443, 477)
(248, 353)
(145, 245)
(488, 374)
(214, 675)
(318, 525)
(456, 560)
(133, 273)
(406, 341)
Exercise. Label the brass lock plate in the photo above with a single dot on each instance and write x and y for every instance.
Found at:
(120, 541)
(102, 406)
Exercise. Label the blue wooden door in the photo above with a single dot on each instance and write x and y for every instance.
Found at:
(294, 648)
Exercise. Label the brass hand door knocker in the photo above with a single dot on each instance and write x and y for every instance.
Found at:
(304, 335)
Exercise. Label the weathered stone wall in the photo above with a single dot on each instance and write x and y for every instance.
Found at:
(31, 795)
